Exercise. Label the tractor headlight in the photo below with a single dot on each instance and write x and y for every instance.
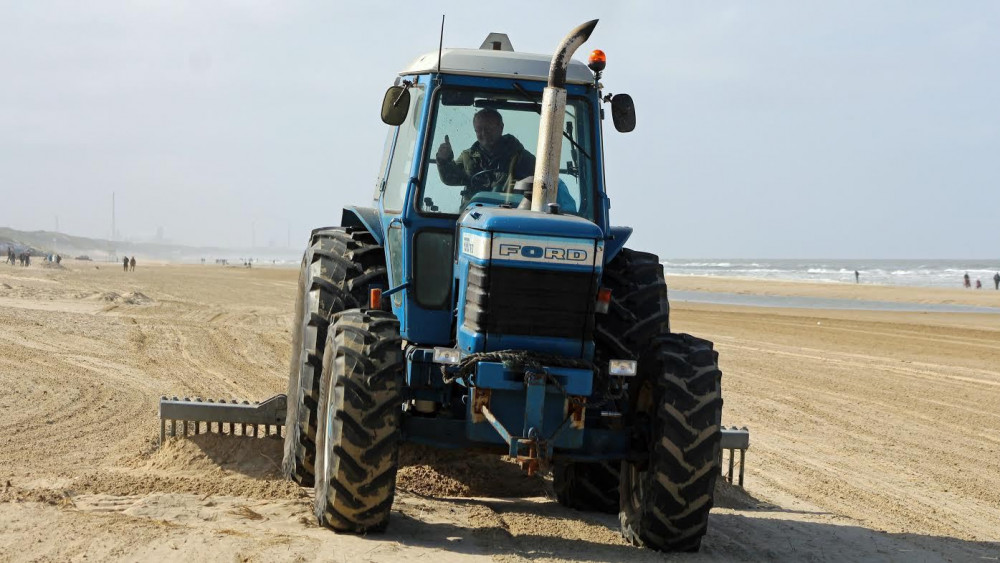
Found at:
(450, 356)
(622, 367)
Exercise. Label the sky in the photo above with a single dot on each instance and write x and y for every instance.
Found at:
(771, 129)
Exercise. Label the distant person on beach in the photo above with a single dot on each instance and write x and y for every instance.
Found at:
(996, 280)
(125, 263)
(58, 259)
(857, 277)
(967, 284)
(131, 264)
(979, 284)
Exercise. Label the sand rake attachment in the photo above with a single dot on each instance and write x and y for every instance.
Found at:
(230, 417)
(734, 439)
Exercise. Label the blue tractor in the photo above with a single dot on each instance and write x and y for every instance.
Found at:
(483, 301)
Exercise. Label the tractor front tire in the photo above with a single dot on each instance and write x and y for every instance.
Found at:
(360, 416)
(666, 497)
(337, 270)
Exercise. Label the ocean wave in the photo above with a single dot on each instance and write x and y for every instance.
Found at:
(922, 273)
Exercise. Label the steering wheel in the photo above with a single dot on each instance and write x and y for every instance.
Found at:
(483, 180)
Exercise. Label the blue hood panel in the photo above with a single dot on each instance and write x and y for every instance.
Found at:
(522, 221)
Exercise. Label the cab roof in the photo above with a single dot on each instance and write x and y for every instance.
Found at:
(496, 64)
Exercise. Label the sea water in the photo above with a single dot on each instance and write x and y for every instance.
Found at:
(918, 273)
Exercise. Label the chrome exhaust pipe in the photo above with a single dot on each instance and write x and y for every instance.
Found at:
(544, 189)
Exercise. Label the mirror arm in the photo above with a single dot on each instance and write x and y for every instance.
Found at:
(406, 86)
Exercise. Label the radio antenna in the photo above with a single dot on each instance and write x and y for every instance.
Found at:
(441, 44)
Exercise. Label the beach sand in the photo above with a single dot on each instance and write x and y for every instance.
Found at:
(874, 434)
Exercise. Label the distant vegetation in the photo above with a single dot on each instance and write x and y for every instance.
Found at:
(45, 242)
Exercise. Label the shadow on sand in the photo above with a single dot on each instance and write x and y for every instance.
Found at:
(754, 531)
(743, 528)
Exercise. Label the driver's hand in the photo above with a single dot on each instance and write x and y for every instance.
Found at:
(445, 153)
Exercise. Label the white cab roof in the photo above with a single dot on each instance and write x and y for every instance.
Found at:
(499, 64)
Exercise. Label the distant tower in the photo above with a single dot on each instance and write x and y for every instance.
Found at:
(112, 251)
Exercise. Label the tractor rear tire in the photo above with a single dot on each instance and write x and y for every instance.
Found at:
(639, 312)
(360, 417)
(666, 497)
(588, 486)
(337, 270)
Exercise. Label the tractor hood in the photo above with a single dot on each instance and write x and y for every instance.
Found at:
(503, 220)
(527, 281)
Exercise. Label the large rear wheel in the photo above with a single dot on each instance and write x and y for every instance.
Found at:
(666, 497)
(337, 270)
(589, 486)
(639, 311)
(359, 421)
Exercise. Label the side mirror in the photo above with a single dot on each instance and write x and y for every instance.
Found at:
(623, 112)
(395, 105)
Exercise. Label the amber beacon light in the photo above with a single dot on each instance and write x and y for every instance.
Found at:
(597, 61)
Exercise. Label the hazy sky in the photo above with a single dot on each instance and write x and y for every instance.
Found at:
(765, 129)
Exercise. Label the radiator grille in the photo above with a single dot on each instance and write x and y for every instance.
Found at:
(530, 302)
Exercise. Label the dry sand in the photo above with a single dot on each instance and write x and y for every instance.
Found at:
(875, 434)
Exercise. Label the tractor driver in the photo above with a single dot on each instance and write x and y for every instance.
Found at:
(493, 163)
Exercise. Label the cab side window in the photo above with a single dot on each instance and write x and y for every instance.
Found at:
(404, 153)
(386, 153)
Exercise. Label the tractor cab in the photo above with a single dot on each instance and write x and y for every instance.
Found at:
(467, 138)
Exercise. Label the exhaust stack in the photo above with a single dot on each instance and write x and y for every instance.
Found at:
(553, 113)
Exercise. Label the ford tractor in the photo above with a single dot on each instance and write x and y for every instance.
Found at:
(483, 301)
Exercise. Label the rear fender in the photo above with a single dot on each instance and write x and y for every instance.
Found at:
(365, 218)
(615, 242)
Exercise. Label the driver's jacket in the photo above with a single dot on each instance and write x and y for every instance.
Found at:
(480, 171)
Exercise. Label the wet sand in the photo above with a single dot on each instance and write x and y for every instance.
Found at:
(985, 297)
(873, 433)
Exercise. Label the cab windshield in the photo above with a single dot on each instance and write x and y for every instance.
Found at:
(483, 142)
